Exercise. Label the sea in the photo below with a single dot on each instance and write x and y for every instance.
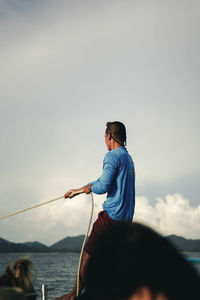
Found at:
(57, 270)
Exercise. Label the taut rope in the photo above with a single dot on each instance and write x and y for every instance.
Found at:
(29, 208)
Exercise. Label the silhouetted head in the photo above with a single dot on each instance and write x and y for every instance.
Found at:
(132, 256)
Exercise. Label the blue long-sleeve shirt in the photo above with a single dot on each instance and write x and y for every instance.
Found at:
(118, 181)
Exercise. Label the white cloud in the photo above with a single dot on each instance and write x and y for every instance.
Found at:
(70, 217)
(65, 217)
(172, 215)
(73, 213)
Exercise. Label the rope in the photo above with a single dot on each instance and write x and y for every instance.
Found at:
(29, 208)
(83, 245)
(38, 205)
(52, 200)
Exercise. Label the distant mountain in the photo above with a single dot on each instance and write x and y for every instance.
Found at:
(13, 247)
(74, 244)
(2, 241)
(8, 247)
(69, 244)
(183, 244)
(37, 245)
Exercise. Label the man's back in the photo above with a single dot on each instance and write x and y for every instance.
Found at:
(120, 200)
(118, 181)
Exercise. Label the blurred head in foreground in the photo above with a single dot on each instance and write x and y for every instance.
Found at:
(18, 274)
(133, 262)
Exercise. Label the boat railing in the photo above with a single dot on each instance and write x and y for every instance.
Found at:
(43, 292)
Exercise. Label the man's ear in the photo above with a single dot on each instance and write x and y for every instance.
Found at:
(143, 293)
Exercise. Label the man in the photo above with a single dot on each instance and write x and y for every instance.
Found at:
(118, 181)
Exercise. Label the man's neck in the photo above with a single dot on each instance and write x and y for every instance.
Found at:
(115, 145)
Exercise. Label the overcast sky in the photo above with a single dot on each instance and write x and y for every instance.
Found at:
(68, 67)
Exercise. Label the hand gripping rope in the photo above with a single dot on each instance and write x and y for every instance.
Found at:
(86, 235)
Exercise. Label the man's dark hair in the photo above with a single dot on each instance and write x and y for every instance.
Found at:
(117, 132)
(131, 256)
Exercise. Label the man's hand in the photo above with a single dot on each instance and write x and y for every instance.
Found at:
(73, 192)
(87, 189)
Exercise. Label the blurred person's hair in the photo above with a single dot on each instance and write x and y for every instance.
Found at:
(131, 256)
(19, 274)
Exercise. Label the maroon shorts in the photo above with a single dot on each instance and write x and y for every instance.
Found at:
(102, 223)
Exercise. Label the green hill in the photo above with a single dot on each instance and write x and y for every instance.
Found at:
(8, 247)
(183, 244)
(74, 244)
(69, 244)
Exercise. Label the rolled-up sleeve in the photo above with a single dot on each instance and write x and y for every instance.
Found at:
(102, 185)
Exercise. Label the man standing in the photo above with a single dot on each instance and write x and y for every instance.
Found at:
(118, 181)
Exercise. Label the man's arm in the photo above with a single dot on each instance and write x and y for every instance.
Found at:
(101, 185)
(73, 192)
(110, 166)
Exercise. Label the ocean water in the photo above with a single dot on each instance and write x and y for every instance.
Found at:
(56, 270)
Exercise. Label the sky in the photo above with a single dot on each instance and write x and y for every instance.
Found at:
(68, 67)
